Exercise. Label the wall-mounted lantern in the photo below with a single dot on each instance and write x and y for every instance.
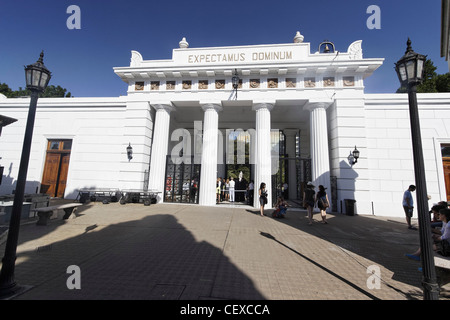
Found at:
(129, 152)
(353, 157)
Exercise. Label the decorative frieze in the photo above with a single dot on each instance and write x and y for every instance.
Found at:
(203, 84)
(220, 84)
(328, 82)
(348, 81)
(310, 82)
(254, 83)
(139, 86)
(291, 82)
(154, 85)
(170, 85)
(272, 83)
(187, 84)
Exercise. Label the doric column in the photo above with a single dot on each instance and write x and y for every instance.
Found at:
(208, 174)
(320, 159)
(159, 148)
(263, 158)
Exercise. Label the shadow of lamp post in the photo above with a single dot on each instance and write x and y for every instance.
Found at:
(37, 77)
(410, 71)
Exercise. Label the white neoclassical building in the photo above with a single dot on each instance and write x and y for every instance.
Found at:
(292, 114)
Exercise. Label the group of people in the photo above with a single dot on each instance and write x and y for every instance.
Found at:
(234, 190)
(440, 228)
(311, 199)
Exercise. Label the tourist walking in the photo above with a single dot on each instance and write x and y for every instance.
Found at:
(309, 200)
(322, 203)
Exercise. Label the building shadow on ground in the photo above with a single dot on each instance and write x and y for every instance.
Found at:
(153, 258)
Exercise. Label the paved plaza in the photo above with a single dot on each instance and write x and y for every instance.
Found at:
(179, 252)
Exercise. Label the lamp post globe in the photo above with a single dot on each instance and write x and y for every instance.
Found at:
(37, 77)
(410, 68)
(410, 72)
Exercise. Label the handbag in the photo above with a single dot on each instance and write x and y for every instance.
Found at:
(324, 201)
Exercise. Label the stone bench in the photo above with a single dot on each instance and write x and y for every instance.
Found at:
(44, 213)
(441, 261)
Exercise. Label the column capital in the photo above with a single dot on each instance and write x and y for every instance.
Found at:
(263, 105)
(315, 104)
(211, 105)
(168, 106)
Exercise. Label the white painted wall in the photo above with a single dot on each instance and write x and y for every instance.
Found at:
(389, 152)
(96, 126)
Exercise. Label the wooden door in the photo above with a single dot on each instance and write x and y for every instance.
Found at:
(62, 178)
(447, 177)
(50, 177)
(56, 169)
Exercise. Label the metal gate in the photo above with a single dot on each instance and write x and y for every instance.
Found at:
(303, 175)
(182, 182)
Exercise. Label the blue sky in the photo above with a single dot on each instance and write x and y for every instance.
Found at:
(82, 60)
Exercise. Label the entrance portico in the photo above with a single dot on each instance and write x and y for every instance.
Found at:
(282, 88)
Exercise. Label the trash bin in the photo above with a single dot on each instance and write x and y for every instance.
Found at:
(349, 207)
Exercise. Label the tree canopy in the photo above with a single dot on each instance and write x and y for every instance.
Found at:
(50, 92)
(432, 82)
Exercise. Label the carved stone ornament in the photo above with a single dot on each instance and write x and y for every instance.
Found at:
(355, 50)
(187, 84)
(139, 86)
(291, 83)
(310, 82)
(154, 85)
(203, 84)
(254, 83)
(349, 81)
(220, 84)
(170, 85)
(328, 82)
(272, 83)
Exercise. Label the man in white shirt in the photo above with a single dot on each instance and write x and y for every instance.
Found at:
(408, 205)
(232, 183)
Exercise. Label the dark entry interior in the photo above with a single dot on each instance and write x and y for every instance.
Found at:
(182, 182)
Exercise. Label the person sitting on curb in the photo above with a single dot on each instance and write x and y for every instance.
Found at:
(441, 242)
(280, 208)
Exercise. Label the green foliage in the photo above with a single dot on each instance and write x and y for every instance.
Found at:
(50, 92)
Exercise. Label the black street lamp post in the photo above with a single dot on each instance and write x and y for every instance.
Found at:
(37, 77)
(410, 71)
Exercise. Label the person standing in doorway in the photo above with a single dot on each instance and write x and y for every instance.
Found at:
(262, 198)
(231, 188)
(309, 200)
(408, 205)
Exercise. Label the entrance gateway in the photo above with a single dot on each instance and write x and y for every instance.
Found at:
(287, 100)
